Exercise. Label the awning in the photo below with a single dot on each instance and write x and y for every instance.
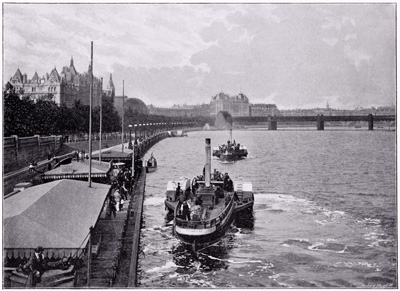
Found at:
(77, 170)
(55, 215)
(115, 156)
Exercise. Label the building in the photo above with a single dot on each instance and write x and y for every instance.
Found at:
(181, 111)
(263, 110)
(66, 87)
(235, 105)
(110, 89)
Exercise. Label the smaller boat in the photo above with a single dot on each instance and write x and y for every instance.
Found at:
(151, 164)
(230, 151)
(177, 133)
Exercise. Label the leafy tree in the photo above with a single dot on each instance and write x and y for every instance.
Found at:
(18, 113)
(46, 114)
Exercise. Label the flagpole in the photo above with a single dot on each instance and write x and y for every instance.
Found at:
(90, 115)
(123, 113)
(101, 118)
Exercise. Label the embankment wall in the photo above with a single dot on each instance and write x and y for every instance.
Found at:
(18, 152)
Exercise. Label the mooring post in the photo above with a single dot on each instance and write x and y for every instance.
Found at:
(370, 122)
(320, 122)
(272, 123)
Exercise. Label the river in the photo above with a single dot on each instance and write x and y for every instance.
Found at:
(324, 214)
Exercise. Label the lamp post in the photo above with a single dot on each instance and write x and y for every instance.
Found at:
(130, 137)
(135, 134)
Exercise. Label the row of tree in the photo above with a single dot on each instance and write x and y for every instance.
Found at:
(26, 116)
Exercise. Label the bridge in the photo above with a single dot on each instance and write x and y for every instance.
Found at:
(318, 119)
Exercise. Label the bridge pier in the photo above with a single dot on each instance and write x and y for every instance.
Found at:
(272, 123)
(320, 122)
(370, 122)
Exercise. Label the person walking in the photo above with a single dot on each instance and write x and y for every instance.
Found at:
(112, 204)
(117, 198)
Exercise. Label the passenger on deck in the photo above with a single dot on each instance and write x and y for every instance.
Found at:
(219, 193)
(198, 201)
(230, 185)
(178, 192)
(196, 212)
(185, 209)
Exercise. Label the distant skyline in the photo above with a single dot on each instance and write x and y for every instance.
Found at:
(292, 55)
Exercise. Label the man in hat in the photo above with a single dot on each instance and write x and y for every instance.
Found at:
(37, 266)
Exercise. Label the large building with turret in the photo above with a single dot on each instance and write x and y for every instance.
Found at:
(235, 105)
(66, 87)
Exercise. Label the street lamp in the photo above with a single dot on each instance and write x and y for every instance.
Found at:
(130, 137)
(135, 134)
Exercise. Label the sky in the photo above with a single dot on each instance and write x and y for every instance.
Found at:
(291, 55)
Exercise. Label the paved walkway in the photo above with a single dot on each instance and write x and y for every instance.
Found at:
(111, 232)
(117, 244)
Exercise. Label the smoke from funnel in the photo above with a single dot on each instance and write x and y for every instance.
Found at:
(224, 120)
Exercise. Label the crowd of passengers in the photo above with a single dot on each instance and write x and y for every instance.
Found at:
(195, 213)
(121, 189)
(229, 147)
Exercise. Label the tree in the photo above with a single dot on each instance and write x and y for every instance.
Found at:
(45, 116)
(18, 113)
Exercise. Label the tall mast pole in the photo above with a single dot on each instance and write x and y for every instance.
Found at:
(123, 113)
(90, 115)
(101, 118)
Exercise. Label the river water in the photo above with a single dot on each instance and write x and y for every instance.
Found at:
(324, 214)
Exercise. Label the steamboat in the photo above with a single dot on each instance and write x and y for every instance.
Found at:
(230, 151)
(203, 208)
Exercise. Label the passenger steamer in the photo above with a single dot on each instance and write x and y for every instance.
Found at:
(230, 151)
(213, 205)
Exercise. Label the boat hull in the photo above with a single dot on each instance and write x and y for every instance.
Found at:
(205, 238)
(231, 157)
(151, 169)
(201, 237)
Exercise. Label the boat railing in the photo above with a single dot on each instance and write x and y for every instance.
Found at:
(203, 223)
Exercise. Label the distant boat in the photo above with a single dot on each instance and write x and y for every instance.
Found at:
(213, 199)
(151, 164)
(230, 151)
(177, 133)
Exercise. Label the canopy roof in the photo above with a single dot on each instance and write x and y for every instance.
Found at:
(115, 155)
(77, 170)
(55, 215)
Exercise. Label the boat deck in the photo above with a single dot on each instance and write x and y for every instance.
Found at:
(208, 213)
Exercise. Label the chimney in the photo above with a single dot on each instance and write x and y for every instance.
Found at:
(207, 167)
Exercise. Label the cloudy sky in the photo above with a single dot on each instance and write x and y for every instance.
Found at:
(292, 55)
